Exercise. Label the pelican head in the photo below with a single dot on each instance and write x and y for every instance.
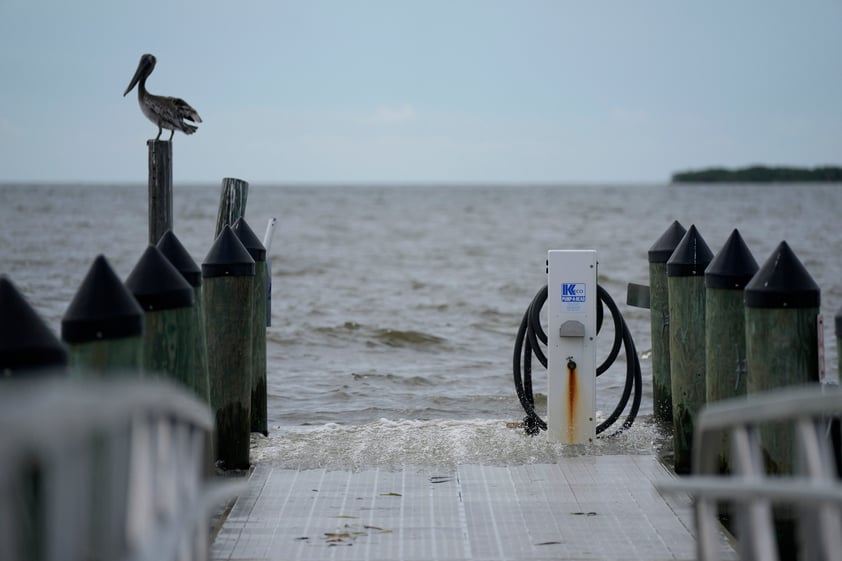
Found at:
(144, 69)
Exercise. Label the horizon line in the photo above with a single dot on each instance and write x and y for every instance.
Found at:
(351, 184)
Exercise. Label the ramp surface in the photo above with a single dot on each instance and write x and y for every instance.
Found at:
(582, 508)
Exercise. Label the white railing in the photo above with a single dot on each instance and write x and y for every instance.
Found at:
(813, 491)
(104, 470)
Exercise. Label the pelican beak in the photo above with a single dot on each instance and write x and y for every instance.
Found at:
(144, 69)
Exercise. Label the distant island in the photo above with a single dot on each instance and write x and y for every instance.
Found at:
(760, 174)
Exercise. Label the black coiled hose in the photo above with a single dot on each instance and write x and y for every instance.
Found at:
(531, 335)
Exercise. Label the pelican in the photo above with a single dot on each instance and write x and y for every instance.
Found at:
(166, 112)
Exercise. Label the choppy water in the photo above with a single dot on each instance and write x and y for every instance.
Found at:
(395, 308)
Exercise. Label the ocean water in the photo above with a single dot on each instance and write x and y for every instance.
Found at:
(395, 308)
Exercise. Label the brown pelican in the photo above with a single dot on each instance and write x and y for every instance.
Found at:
(166, 112)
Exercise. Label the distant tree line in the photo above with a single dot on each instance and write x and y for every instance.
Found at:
(759, 174)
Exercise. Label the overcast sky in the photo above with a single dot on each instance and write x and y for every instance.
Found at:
(426, 91)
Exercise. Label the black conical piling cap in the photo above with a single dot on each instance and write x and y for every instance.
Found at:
(251, 242)
(157, 284)
(662, 249)
(733, 266)
(691, 256)
(103, 308)
(228, 257)
(782, 282)
(26, 343)
(172, 249)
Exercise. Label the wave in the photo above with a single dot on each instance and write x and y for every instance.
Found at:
(377, 378)
(437, 443)
(404, 338)
(351, 330)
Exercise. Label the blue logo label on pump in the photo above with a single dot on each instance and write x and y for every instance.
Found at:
(573, 292)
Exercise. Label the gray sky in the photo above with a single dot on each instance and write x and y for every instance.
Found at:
(426, 91)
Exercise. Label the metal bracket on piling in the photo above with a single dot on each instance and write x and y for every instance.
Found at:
(637, 295)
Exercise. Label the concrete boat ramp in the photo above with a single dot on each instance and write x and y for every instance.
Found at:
(602, 507)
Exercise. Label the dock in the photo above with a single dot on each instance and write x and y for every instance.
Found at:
(602, 507)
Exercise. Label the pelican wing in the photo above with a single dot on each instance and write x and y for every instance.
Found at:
(184, 110)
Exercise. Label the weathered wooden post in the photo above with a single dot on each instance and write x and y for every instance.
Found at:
(167, 301)
(103, 326)
(659, 254)
(229, 300)
(27, 346)
(250, 241)
(160, 188)
(686, 283)
(725, 340)
(232, 203)
(782, 307)
(836, 423)
(175, 252)
(782, 303)
(171, 247)
(725, 280)
(838, 322)
(28, 349)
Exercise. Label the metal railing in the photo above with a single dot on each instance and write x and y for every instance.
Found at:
(813, 491)
(104, 470)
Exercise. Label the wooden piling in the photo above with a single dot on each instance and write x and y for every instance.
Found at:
(725, 280)
(160, 188)
(229, 300)
(259, 412)
(836, 423)
(725, 347)
(659, 254)
(232, 203)
(167, 302)
(103, 326)
(838, 323)
(782, 303)
(176, 253)
(686, 284)
(27, 346)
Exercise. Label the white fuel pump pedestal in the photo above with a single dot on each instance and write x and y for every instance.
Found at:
(571, 345)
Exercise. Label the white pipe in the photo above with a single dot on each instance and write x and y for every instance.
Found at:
(270, 232)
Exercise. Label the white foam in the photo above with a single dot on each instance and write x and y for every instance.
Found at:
(394, 443)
